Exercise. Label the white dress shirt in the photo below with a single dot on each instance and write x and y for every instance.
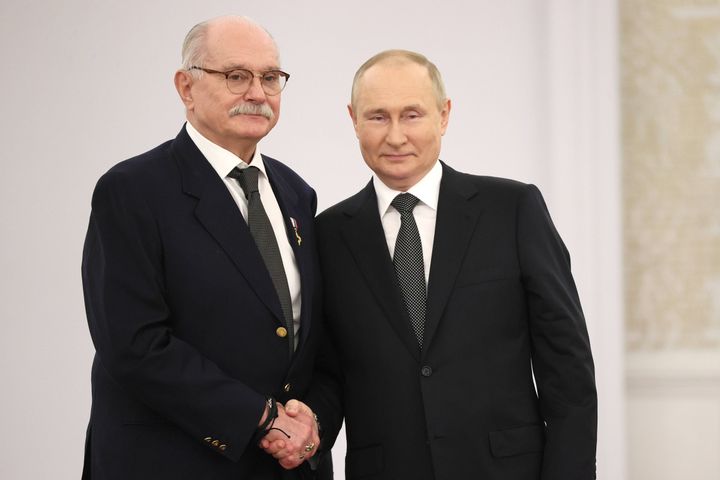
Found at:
(223, 161)
(427, 191)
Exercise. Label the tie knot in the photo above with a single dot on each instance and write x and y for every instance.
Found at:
(247, 177)
(405, 202)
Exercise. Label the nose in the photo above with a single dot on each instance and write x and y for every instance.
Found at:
(395, 136)
(255, 92)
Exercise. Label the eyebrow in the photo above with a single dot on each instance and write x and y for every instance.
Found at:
(414, 106)
(236, 66)
(375, 111)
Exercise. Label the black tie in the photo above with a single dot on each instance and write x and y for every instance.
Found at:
(409, 266)
(262, 231)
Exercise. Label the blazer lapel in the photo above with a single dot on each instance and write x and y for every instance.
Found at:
(456, 222)
(365, 238)
(218, 213)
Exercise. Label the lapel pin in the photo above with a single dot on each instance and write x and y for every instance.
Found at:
(296, 229)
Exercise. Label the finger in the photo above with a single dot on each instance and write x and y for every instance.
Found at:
(284, 454)
(281, 455)
(308, 449)
(290, 463)
(315, 436)
(273, 449)
(296, 460)
(277, 445)
(292, 407)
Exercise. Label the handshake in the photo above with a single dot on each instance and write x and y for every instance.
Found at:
(289, 433)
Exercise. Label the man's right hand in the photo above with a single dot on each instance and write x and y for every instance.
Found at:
(296, 420)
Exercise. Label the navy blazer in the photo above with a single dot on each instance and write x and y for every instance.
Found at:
(184, 319)
(500, 299)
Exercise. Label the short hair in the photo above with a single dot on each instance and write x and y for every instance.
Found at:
(193, 47)
(402, 56)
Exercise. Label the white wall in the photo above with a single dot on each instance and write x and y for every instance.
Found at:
(89, 83)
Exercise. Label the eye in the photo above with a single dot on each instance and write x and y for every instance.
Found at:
(239, 76)
(271, 77)
(412, 115)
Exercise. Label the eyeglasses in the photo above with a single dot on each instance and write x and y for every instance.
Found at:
(239, 79)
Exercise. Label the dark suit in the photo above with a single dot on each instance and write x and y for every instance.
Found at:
(183, 316)
(500, 294)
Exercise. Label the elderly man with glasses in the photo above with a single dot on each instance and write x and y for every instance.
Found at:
(200, 282)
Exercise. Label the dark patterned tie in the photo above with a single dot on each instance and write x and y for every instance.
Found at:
(262, 231)
(409, 266)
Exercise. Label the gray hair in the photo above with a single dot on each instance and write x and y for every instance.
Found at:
(403, 56)
(193, 48)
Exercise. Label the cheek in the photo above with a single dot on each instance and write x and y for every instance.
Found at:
(430, 139)
(370, 140)
(370, 151)
(215, 108)
(274, 104)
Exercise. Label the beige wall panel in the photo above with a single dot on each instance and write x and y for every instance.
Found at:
(671, 177)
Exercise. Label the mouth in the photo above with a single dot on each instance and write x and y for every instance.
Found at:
(396, 156)
(253, 115)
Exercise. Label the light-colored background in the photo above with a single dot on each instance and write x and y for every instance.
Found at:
(536, 96)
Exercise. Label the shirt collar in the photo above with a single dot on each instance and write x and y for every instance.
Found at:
(223, 161)
(427, 190)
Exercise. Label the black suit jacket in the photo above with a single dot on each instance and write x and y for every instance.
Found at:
(183, 316)
(501, 299)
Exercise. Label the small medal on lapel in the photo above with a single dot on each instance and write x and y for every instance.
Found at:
(296, 229)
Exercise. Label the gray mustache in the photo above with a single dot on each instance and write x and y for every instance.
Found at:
(252, 109)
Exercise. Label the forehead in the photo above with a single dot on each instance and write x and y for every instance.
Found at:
(393, 85)
(242, 45)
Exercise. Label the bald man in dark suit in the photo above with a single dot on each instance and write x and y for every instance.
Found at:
(444, 293)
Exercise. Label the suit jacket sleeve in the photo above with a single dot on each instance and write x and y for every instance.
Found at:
(562, 361)
(130, 325)
(325, 396)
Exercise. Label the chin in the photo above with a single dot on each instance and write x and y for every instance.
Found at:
(395, 181)
(250, 133)
(400, 172)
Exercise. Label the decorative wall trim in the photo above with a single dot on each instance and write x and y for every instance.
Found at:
(672, 373)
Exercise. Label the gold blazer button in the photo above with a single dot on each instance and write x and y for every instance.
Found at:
(281, 332)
